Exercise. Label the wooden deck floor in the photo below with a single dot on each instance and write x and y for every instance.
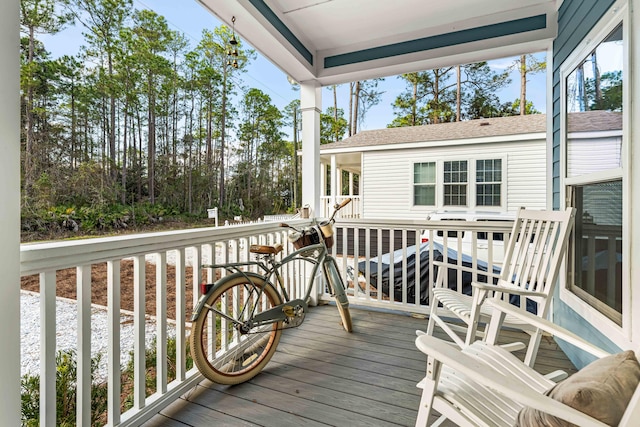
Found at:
(321, 375)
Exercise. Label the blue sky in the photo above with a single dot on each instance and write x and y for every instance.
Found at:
(190, 18)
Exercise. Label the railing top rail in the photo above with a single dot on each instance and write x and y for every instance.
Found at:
(494, 226)
(38, 257)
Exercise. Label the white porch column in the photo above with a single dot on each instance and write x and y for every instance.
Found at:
(351, 183)
(10, 212)
(311, 105)
(334, 182)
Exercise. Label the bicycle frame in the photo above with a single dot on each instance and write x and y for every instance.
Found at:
(271, 267)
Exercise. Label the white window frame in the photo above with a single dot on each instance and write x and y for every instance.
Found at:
(471, 185)
(476, 183)
(413, 184)
(466, 183)
(619, 13)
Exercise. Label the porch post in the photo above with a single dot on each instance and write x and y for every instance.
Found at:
(10, 212)
(311, 105)
(334, 182)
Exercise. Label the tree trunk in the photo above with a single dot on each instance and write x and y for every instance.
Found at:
(356, 103)
(74, 124)
(151, 161)
(414, 104)
(123, 197)
(596, 77)
(223, 130)
(112, 121)
(30, 136)
(139, 154)
(523, 85)
(350, 127)
(458, 94)
(436, 96)
(335, 110)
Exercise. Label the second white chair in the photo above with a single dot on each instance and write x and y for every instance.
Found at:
(533, 254)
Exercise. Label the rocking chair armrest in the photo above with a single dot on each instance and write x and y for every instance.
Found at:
(480, 373)
(467, 269)
(507, 290)
(501, 306)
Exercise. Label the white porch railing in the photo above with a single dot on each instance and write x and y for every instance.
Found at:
(194, 247)
(352, 211)
(357, 241)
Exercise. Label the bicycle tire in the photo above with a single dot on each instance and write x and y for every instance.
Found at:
(339, 294)
(234, 358)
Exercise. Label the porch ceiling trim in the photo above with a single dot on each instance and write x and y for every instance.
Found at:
(273, 19)
(516, 26)
(289, 34)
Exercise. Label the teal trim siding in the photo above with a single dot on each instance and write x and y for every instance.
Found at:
(517, 26)
(576, 18)
(273, 19)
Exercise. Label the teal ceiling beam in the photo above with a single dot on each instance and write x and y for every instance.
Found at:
(273, 19)
(506, 28)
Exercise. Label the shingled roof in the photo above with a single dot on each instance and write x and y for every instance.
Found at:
(479, 128)
(497, 126)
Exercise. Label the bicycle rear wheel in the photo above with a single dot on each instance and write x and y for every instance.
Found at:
(337, 288)
(220, 350)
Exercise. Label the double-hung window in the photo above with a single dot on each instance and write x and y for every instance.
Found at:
(424, 184)
(455, 183)
(488, 182)
(594, 94)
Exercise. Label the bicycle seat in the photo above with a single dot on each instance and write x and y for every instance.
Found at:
(266, 249)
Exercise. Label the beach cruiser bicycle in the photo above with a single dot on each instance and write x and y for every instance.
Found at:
(237, 322)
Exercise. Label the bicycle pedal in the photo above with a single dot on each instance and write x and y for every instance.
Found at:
(289, 311)
(249, 359)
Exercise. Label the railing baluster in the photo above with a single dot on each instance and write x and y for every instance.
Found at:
(113, 347)
(139, 311)
(83, 372)
(161, 322)
(48, 348)
(181, 340)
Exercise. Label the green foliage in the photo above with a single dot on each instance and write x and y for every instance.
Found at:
(70, 219)
(66, 379)
(609, 96)
(150, 364)
(330, 129)
(431, 96)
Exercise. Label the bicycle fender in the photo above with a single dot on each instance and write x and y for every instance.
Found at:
(203, 298)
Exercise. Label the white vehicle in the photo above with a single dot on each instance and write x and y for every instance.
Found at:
(482, 240)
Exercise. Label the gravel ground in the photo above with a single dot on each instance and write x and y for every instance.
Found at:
(66, 330)
(66, 337)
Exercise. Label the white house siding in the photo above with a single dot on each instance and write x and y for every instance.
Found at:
(387, 176)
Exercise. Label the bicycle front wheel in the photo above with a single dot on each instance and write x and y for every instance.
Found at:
(221, 350)
(337, 288)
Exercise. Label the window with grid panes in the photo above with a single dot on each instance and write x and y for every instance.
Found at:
(424, 184)
(488, 182)
(455, 183)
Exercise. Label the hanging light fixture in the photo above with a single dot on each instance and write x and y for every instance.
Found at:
(232, 51)
(233, 40)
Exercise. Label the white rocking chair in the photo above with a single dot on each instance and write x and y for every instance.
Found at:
(485, 385)
(533, 254)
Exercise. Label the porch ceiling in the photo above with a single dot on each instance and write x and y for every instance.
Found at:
(350, 162)
(338, 41)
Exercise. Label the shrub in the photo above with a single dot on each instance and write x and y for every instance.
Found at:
(66, 380)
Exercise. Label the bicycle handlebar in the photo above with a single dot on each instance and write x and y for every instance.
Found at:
(344, 203)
